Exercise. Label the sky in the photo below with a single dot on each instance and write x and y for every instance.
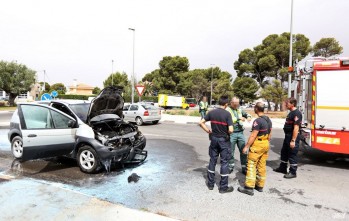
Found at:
(78, 39)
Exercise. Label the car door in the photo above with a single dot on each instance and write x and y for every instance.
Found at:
(125, 112)
(46, 132)
(133, 112)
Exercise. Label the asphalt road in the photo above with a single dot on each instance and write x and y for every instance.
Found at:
(173, 180)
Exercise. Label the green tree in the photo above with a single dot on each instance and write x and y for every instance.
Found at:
(59, 87)
(15, 79)
(245, 88)
(274, 92)
(166, 78)
(271, 57)
(47, 86)
(96, 90)
(118, 79)
(327, 47)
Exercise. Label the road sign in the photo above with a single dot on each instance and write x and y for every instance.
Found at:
(140, 89)
(54, 93)
(46, 97)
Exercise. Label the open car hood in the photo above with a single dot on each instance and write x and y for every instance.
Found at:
(109, 101)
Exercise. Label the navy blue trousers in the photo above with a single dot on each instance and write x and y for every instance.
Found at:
(219, 147)
(289, 155)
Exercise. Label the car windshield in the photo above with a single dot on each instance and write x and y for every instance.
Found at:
(149, 107)
(81, 110)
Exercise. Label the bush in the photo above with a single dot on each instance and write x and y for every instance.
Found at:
(2, 103)
(75, 96)
(154, 99)
(195, 114)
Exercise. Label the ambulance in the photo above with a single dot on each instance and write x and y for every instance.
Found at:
(321, 87)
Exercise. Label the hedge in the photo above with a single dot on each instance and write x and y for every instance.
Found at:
(127, 98)
(75, 96)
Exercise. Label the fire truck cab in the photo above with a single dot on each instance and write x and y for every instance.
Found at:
(322, 89)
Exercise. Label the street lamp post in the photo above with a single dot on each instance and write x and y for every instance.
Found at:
(211, 84)
(112, 72)
(290, 58)
(133, 66)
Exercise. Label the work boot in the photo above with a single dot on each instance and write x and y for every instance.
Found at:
(259, 189)
(290, 176)
(228, 190)
(246, 190)
(210, 187)
(280, 170)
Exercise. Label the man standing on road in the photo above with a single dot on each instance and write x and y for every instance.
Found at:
(238, 138)
(222, 126)
(203, 106)
(258, 144)
(291, 142)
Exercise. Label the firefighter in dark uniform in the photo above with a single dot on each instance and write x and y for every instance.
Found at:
(291, 142)
(258, 146)
(222, 126)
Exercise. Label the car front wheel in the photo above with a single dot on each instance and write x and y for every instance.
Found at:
(139, 121)
(17, 147)
(88, 160)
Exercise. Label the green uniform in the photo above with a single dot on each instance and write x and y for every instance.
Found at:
(237, 137)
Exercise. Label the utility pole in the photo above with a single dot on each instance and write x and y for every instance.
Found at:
(211, 83)
(133, 67)
(44, 80)
(290, 58)
(112, 72)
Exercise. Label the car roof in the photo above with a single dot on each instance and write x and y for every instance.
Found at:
(71, 101)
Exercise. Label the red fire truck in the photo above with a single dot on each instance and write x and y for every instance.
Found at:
(322, 90)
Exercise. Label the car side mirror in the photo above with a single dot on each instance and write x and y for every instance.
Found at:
(71, 123)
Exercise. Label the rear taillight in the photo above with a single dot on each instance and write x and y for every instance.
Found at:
(146, 113)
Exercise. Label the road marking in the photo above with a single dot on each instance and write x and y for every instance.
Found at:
(169, 136)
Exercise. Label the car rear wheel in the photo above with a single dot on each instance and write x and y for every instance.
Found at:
(88, 160)
(139, 121)
(155, 122)
(17, 147)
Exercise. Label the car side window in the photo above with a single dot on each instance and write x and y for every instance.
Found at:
(134, 108)
(60, 121)
(36, 117)
(63, 108)
(126, 107)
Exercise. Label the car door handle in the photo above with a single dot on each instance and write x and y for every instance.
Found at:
(32, 135)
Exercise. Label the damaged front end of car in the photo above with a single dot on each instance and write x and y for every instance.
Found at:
(123, 142)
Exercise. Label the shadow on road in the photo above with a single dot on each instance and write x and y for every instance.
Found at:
(311, 157)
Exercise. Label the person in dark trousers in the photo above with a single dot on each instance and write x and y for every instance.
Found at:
(258, 146)
(291, 142)
(222, 126)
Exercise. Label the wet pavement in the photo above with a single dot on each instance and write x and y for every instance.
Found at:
(172, 181)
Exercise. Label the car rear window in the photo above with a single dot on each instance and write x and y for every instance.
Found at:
(149, 107)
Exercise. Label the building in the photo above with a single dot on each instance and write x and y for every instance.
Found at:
(80, 89)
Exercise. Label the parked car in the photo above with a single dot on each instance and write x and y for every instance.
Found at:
(92, 133)
(141, 113)
(191, 101)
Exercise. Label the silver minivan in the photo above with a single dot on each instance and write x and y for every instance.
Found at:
(141, 113)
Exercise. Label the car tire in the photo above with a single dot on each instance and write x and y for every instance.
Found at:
(187, 108)
(17, 147)
(155, 122)
(88, 160)
(139, 121)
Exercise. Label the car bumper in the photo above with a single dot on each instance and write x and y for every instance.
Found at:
(116, 155)
(151, 118)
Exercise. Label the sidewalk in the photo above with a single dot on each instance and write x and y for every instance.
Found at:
(42, 201)
(180, 119)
